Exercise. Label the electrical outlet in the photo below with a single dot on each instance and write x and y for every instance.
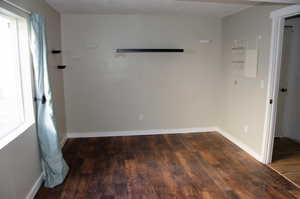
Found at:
(246, 129)
(141, 117)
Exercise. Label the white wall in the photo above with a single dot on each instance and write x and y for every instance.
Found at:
(106, 91)
(20, 164)
(245, 102)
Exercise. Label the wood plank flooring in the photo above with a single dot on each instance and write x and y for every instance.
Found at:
(286, 159)
(196, 166)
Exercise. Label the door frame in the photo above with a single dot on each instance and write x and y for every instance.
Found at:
(278, 21)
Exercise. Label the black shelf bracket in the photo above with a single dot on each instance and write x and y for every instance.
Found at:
(61, 66)
(56, 51)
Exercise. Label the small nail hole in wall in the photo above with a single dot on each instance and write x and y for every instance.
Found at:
(235, 82)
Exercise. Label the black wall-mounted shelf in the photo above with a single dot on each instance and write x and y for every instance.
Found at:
(56, 51)
(61, 66)
(149, 50)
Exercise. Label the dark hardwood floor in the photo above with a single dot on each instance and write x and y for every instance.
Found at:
(202, 166)
(286, 159)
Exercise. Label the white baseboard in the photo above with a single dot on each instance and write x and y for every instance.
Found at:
(240, 144)
(39, 181)
(141, 132)
(35, 187)
(234, 140)
(63, 141)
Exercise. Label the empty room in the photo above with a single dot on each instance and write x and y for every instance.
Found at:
(149, 99)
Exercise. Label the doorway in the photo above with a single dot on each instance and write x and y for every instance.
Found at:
(286, 149)
(278, 22)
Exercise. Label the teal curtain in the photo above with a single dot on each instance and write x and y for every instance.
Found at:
(53, 164)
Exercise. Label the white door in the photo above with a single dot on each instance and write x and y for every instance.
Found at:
(280, 128)
(288, 114)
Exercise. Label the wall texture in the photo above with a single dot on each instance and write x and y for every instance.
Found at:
(244, 98)
(106, 91)
(20, 165)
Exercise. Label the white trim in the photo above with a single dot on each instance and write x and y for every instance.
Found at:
(15, 133)
(141, 132)
(234, 140)
(35, 187)
(39, 181)
(286, 12)
(16, 6)
(240, 144)
(278, 1)
(63, 141)
(278, 18)
(24, 67)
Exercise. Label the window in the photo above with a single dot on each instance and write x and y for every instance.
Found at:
(16, 106)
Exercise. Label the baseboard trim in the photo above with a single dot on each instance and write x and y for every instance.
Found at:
(39, 181)
(141, 132)
(241, 144)
(234, 140)
(63, 141)
(35, 187)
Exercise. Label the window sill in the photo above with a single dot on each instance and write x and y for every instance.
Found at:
(15, 133)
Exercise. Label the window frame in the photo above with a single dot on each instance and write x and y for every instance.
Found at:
(26, 73)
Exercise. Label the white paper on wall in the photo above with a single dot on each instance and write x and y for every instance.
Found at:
(238, 56)
(251, 62)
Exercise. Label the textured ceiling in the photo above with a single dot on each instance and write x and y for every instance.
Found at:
(159, 7)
